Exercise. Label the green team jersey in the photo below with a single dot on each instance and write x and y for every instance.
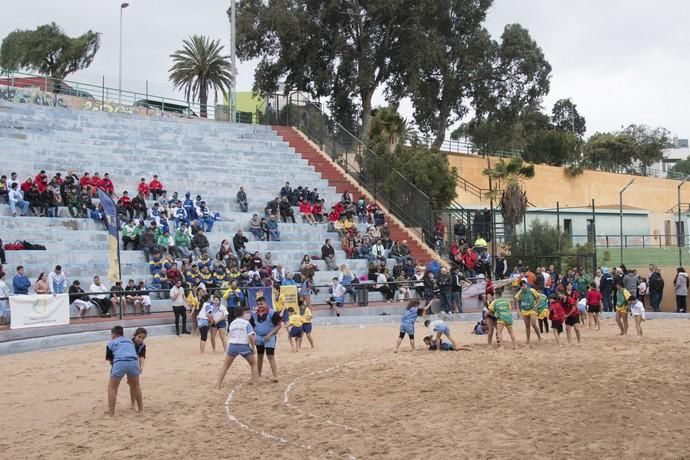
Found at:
(543, 303)
(502, 311)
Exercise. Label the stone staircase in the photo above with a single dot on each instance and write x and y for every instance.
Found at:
(206, 158)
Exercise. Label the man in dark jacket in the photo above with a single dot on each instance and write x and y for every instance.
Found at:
(242, 200)
(200, 244)
(444, 283)
(148, 241)
(656, 289)
(286, 211)
(328, 255)
(606, 287)
(456, 278)
(238, 242)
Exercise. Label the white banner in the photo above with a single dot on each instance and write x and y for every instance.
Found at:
(39, 310)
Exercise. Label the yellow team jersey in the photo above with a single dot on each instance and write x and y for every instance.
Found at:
(296, 320)
(306, 315)
(279, 303)
(193, 302)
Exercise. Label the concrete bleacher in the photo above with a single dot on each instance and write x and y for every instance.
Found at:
(206, 158)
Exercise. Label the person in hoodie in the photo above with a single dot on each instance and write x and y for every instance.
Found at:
(189, 206)
(57, 281)
(681, 283)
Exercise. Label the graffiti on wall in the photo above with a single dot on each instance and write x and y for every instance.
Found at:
(33, 96)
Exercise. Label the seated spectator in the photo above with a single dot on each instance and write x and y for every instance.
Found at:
(16, 199)
(373, 232)
(378, 253)
(224, 252)
(102, 300)
(3, 261)
(242, 200)
(79, 299)
(305, 211)
(117, 297)
(133, 298)
(27, 184)
(131, 235)
(307, 266)
(37, 206)
(346, 198)
(180, 215)
(273, 232)
(317, 212)
(381, 285)
(286, 211)
(264, 228)
(328, 255)
(156, 188)
(255, 227)
(166, 242)
(20, 282)
(272, 207)
(361, 209)
(73, 201)
(4, 189)
(183, 242)
(238, 242)
(204, 216)
(139, 208)
(124, 205)
(96, 184)
(148, 241)
(379, 217)
(107, 185)
(86, 201)
(200, 244)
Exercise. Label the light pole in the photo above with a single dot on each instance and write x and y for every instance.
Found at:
(678, 236)
(232, 14)
(620, 210)
(119, 81)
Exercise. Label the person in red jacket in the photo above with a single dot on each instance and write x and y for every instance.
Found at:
(41, 181)
(156, 187)
(124, 205)
(96, 183)
(556, 315)
(144, 188)
(26, 185)
(108, 185)
(305, 210)
(85, 180)
(594, 299)
(572, 313)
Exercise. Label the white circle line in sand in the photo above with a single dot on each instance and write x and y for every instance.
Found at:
(291, 385)
(244, 426)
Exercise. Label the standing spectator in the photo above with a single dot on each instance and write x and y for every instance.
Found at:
(656, 289)
(3, 260)
(101, 298)
(238, 242)
(681, 283)
(242, 200)
(460, 231)
(57, 281)
(630, 281)
(155, 187)
(79, 299)
(328, 255)
(286, 191)
(606, 284)
(20, 282)
(41, 286)
(444, 283)
(16, 199)
(4, 303)
(179, 305)
(456, 278)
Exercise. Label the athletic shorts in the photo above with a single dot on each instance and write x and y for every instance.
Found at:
(221, 325)
(203, 331)
(271, 343)
(260, 350)
(572, 320)
(557, 325)
(306, 328)
(544, 314)
(241, 349)
(527, 313)
(407, 328)
(128, 368)
(506, 322)
(594, 308)
(442, 329)
(623, 310)
(296, 332)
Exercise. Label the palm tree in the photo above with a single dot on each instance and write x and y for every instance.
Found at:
(389, 126)
(199, 67)
(513, 202)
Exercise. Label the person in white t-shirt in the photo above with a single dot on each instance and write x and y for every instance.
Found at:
(241, 342)
(637, 310)
(437, 329)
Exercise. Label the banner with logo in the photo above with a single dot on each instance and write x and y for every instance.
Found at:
(253, 292)
(290, 294)
(39, 310)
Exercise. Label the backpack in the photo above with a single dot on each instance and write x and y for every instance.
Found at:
(16, 246)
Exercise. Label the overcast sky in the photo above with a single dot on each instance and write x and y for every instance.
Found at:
(622, 61)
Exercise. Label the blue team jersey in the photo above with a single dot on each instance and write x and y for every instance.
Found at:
(121, 349)
(410, 315)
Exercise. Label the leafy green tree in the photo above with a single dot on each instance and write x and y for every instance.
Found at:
(650, 143)
(48, 51)
(328, 48)
(388, 127)
(552, 147)
(682, 167)
(566, 118)
(618, 151)
(199, 67)
(429, 171)
(513, 200)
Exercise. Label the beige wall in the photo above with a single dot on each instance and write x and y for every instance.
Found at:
(551, 184)
(668, 299)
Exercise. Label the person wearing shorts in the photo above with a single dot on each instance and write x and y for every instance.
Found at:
(410, 315)
(556, 315)
(528, 299)
(543, 313)
(438, 328)
(638, 313)
(294, 327)
(305, 311)
(502, 310)
(594, 300)
(621, 306)
(571, 317)
(267, 323)
(219, 322)
(241, 342)
(122, 355)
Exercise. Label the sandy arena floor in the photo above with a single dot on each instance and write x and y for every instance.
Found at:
(353, 397)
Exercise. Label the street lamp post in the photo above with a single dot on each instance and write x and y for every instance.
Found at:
(620, 210)
(678, 236)
(232, 15)
(119, 81)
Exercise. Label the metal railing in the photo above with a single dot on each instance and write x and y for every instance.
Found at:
(631, 241)
(387, 185)
(41, 90)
